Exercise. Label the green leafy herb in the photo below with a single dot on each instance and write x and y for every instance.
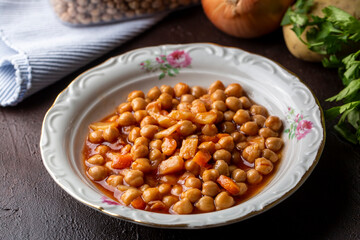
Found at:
(329, 35)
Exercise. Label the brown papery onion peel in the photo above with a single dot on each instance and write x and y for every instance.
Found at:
(246, 18)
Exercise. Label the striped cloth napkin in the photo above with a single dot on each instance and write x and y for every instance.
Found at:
(36, 49)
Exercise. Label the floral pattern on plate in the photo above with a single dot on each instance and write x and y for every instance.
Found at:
(168, 64)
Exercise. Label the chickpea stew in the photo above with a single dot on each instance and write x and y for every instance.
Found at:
(184, 150)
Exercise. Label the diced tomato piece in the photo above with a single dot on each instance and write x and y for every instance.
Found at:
(138, 203)
(202, 158)
(228, 184)
(122, 161)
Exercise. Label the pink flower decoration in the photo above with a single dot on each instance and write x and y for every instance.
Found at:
(109, 202)
(179, 59)
(159, 59)
(303, 128)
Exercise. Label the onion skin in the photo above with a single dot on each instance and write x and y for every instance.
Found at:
(246, 18)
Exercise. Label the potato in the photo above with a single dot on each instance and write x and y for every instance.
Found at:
(299, 49)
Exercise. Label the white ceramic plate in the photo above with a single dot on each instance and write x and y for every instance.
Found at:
(96, 93)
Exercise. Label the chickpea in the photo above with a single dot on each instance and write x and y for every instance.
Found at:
(227, 143)
(253, 176)
(252, 152)
(210, 188)
(258, 110)
(218, 95)
(274, 123)
(249, 128)
(165, 100)
(102, 149)
(274, 143)
(164, 188)
(123, 188)
(151, 194)
(142, 164)
(215, 86)
(241, 116)
(176, 190)
(187, 128)
(148, 120)
(98, 173)
(124, 107)
(268, 154)
(135, 94)
(184, 206)
(149, 131)
(156, 156)
(259, 120)
(156, 206)
(193, 182)
(187, 98)
(140, 115)
(170, 200)
(154, 93)
(267, 132)
(243, 188)
(96, 136)
(129, 195)
(236, 157)
(115, 180)
(134, 134)
(222, 167)
(139, 151)
(238, 137)
(155, 144)
(96, 160)
(238, 175)
(184, 106)
(219, 115)
(175, 102)
(222, 154)
(223, 200)
(134, 178)
(209, 130)
(242, 145)
(167, 89)
(108, 165)
(141, 141)
(229, 115)
(192, 167)
(205, 204)
(234, 89)
(144, 187)
(233, 103)
(126, 119)
(246, 104)
(181, 89)
(197, 91)
(227, 127)
(138, 104)
(263, 166)
(210, 175)
(111, 134)
(219, 105)
(207, 146)
(198, 106)
(193, 194)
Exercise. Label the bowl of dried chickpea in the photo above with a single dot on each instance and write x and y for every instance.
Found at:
(166, 136)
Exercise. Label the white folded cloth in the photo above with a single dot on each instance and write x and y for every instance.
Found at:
(36, 49)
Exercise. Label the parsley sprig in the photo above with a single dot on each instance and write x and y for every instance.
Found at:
(330, 35)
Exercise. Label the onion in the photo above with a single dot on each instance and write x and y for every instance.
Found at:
(246, 18)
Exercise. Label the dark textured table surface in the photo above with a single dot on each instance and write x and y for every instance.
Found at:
(33, 206)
